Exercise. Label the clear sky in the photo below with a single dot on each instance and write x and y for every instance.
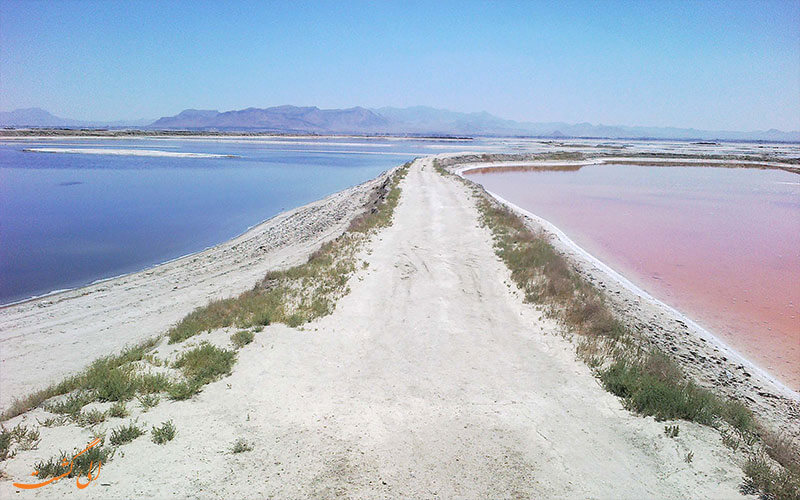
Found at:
(712, 65)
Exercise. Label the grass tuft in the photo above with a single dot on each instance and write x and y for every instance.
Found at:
(118, 410)
(206, 363)
(148, 401)
(183, 390)
(242, 338)
(240, 446)
(125, 434)
(768, 482)
(82, 465)
(164, 433)
(90, 418)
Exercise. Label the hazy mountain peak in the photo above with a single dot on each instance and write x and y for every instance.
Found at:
(410, 120)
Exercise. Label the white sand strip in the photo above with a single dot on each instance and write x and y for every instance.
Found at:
(126, 152)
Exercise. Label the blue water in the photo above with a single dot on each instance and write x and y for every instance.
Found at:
(67, 220)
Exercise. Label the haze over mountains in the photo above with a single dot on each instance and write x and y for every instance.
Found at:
(417, 120)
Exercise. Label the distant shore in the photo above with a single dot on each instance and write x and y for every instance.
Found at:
(42, 133)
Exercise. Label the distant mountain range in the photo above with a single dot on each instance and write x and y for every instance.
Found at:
(417, 120)
(37, 117)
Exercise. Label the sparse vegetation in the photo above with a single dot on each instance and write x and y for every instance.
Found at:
(240, 446)
(672, 431)
(118, 410)
(242, 338)
(148, 401)
(90, 418)
(5, 443)
(648, 381)
(53, 421)
(183, 390)
(206, 363)
(125, 434)
(81, 465)
(302, 293)
(164, 433)
(70, 405)
(82, 387)
(770, 483)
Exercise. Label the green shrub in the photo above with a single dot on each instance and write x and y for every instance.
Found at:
(91, 417)
(148, 401)
(72, 404)
(110, 381)
(118, 410)
(242, 338)
(151, 383)
(206, 363)
(183, 390)
(649, 394)
(125, 434)
(82, 465)
(782, 484)
(164, 433)
(5, 443)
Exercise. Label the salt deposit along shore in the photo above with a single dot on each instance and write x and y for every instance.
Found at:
(431, 378)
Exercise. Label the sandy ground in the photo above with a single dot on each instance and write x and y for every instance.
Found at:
(44, 340)
(431, 379)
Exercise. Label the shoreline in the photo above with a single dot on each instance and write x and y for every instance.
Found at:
(68, 329)
(152, 267)
(638, 290)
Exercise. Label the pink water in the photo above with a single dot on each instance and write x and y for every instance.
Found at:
(721, 245)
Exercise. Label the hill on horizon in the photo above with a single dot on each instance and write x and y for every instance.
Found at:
(417, 120)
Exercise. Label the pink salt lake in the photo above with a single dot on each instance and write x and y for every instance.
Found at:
(721, 245)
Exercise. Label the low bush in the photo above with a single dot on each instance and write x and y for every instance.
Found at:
(148, 401)
(81, 465)
(769, 483)
(164, 433)
(240, 446)
(183, 390)
(91, 417)
(242, 338)
(206, 363)
(118, 410)
(125, 434)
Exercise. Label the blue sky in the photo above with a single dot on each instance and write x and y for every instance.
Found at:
(712, 65)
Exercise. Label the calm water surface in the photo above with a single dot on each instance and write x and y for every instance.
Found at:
(69, 219)
(722, 245)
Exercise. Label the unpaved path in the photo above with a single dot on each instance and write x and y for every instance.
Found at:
(431, 379)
